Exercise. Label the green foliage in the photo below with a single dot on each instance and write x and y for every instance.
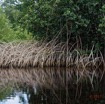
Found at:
(7, 33)
(45, 18)
(5, 28)
(5, 92)
(102, 21)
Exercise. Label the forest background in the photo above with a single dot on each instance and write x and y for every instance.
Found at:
(72, 20)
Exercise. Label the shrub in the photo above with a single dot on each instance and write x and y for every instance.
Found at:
(7, 33)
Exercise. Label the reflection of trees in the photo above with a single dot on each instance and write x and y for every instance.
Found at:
(59, 96)
(5, 92)
(55, 86)
(79, 94)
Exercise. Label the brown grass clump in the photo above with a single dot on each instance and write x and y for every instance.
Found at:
(52, 54)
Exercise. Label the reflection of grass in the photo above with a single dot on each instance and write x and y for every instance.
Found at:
(62, 83)
(49, 78)
(5, 92)
(34, 54)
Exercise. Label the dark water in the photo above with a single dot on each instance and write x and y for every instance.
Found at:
(51, 86)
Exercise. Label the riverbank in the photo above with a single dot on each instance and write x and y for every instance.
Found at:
(35, 54)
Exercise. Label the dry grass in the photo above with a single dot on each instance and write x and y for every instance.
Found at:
(34, 54)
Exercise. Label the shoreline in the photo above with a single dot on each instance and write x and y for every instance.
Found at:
(34, 54)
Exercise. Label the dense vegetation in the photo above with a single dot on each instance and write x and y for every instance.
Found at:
(69, 18)
(8, 33)
(73, 32)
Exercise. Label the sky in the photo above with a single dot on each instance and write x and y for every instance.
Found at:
(1, 1)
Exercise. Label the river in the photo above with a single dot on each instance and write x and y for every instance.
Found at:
(51, 86)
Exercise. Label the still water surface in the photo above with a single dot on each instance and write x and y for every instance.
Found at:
(51, 86)
(17, 98)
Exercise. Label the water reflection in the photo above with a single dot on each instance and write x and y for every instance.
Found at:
(51, 86)
(17, 99)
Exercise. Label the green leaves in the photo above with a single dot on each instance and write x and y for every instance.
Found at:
(102, 20)
(7, 33)
(45, 18)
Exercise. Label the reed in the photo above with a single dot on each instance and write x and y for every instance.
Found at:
(51, 54)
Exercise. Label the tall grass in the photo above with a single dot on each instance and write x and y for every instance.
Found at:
(51, 54)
